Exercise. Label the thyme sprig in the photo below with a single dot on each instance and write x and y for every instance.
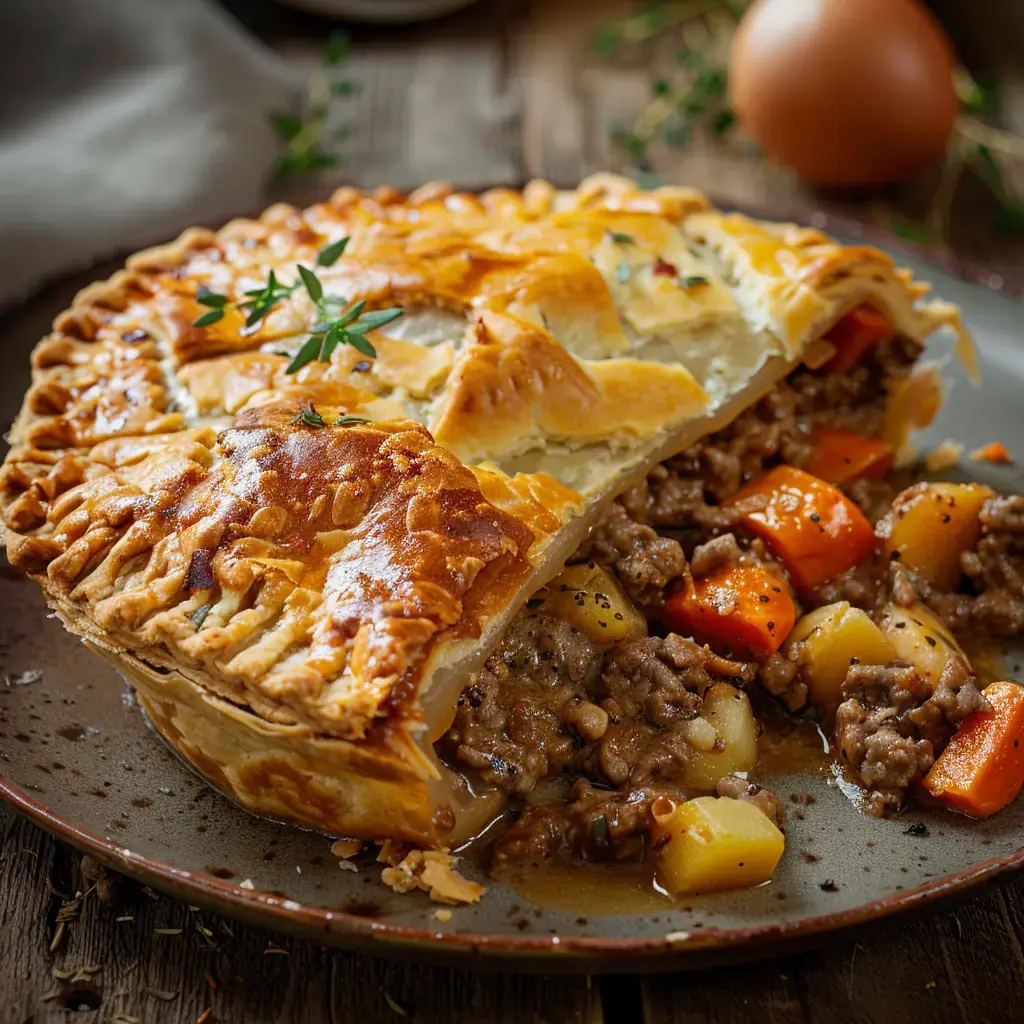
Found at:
(334, 324)
(307, 139)
(347, 329)
(307, 416)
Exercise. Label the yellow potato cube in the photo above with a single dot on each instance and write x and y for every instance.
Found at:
(591, 600)
(931, 525)
(922, 638)
(714, 843)
(727, 710)
(830, 639)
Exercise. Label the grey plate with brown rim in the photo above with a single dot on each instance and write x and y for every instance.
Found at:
(77, 756)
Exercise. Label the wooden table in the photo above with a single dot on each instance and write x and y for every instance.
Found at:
(500, 93)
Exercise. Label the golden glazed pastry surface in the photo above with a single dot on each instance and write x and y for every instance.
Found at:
(308, 594)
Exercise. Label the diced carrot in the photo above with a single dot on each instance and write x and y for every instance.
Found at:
(982, 768)
(843, 455)
(739, 608)
(811, 526)
(854, 335)
(994, 451)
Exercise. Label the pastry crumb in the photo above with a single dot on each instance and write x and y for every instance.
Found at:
(943, 456)
(433, 871)
(246, 883)
(347, 865)
(994, 451)
(443, 915)
(346, 848)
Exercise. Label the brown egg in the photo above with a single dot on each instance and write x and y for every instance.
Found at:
(850, 92)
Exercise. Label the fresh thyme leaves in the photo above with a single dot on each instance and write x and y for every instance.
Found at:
(212, 299)
(313, 287)
(348, 329)
(337, 49)
(330, 328)
(350, 421)
(691, 95)
(621, 238)
(903, 228)
(263, 300)
(599, 831)
(376, 318)
(622, 272)
(215, 303)
(329, 254)
(307, 416)
(692, 282)
(306, 135)
(209, 318)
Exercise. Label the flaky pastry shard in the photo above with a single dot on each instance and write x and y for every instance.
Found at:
(297, 571)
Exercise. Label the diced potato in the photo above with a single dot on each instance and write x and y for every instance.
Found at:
(828, 640)
(590, 598)
(922, 638)
(735, 749)
(931, 525)
(714, 843)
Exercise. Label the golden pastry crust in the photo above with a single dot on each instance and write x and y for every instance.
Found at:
(297, 599)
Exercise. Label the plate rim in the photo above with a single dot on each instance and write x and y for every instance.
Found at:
(674, 951)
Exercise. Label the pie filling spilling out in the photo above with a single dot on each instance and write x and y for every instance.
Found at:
(409, 514)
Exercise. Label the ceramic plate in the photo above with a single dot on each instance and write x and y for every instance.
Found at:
(79, 758)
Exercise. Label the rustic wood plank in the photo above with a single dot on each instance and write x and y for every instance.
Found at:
(366, 989)
(726, 995)
(157, 978)
(206, 962)
(432, 103)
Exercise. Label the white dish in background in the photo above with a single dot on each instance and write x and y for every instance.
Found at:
(381, 11)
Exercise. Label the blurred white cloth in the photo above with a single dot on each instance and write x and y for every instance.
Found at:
(121, 123)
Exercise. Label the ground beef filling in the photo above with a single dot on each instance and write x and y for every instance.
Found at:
(549, 705)
(584, 738)
(893, 724)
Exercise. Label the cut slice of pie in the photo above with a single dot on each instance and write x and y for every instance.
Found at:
(296, 560)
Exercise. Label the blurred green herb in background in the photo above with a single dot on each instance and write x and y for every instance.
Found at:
(692, 95)
(309, 144)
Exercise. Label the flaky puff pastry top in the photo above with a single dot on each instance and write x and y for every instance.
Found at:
(166, 491)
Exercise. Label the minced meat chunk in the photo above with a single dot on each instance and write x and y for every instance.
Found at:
(644, 563)
(592, 824)
(511, 723)
(780, 677)
(713, 554)
(892, 725)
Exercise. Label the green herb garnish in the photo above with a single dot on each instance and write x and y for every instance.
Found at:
(329, 254)
(622, 272)
(215, 303)
(307, 416)
(263, 300)
(693, 281)
(599, 831)
(347, 329)
(621, 239)
(306, 134)
(328, 331)
(349, 421)
(209, 318)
